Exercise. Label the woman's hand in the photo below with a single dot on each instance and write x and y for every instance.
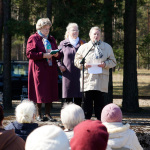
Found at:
(102, 65)
(87, 66)
(62, 68)
(47, 55)
(55, 55)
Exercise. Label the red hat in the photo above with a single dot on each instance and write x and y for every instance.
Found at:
(89, 135)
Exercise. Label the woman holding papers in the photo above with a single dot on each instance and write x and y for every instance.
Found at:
(42, 72)
(70, 73)
(99, 59)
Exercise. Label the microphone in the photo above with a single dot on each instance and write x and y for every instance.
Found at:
(95, 42)
(83, 59)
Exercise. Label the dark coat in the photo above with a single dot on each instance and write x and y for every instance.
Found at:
(70, 78)
(42, 78)
(22, 129)
(10, 141)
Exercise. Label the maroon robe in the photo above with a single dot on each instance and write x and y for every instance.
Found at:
(42, 78)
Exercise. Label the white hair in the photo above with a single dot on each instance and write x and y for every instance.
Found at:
(43, 22)
(47, 137)
(71, 115)
(70, 25)
(25, 112)
(94, 28)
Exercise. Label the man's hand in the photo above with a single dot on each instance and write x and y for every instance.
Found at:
(102, 65)
(87, 66)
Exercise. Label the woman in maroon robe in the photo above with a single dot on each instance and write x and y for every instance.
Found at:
(42, 71)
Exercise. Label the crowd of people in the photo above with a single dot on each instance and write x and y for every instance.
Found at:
(79, 131)
(42, 73)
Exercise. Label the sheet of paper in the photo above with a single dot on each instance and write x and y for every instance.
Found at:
(94, 69)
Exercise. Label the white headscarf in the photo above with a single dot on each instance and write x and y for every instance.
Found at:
(74, 42)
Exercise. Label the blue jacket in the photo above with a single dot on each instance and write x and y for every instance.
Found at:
(22, 129)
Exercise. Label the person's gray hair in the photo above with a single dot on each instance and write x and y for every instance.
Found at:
(70, 25)
(25, 111)
(94, 28)
(43, 22)
(71, 115)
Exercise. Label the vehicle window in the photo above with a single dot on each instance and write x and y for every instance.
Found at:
(1, 69)
(19, 70)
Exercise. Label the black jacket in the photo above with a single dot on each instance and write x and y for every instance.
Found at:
(22, 129)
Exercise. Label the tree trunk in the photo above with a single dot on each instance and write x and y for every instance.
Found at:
(7, 56)
(26, 14)
(49, 9)
(1, 27)
(130, 89)
(108, 39)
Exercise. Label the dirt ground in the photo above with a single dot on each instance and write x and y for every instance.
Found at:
(132, 118)
(139, 121)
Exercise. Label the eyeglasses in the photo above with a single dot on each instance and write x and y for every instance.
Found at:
(74, 30)
(46, 29)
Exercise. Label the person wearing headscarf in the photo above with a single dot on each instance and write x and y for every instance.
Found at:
(42, 72)
(70, 73)
(99, 59)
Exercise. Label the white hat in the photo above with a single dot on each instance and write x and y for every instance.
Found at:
(47, 137)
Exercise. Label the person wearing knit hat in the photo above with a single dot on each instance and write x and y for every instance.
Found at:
(111, 113)
(89, 135)
(47, 137)
(120, 135)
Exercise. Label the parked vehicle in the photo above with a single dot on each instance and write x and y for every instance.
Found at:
(19, 79)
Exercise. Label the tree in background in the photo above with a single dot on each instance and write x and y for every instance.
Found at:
(130, 89)
(49, 9)
(118, 32)
(108, 6)
(25, 13)
(85, 13)
(7, 56)
(1, 27)
(143, 34)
